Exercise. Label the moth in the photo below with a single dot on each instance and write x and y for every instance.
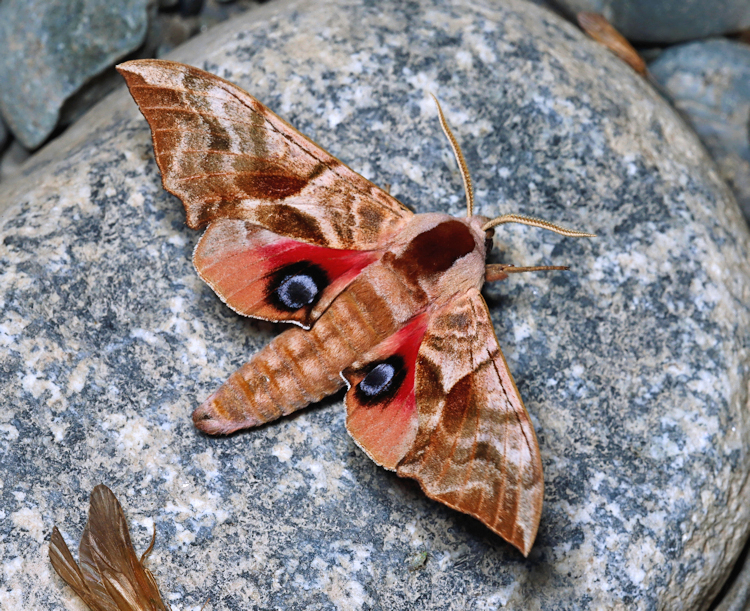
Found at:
(385, 301)
(110, 576)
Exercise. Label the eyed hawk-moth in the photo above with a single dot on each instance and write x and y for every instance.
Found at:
(110, 576)
(386, 302)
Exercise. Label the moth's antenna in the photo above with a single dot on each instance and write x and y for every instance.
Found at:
(528, 220)
(459, 158)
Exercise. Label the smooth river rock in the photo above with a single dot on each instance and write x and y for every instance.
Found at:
(667, 21)
(709, 82)
(634, 365)
(51, 50)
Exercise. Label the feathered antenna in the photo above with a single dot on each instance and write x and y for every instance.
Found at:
(534, 222)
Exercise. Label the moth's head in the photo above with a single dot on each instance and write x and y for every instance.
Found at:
(485, 226)
(477, 223)
(440, 253)
(489, 241)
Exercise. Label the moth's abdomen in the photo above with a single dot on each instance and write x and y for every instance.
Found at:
(285, 376)
(301, 367)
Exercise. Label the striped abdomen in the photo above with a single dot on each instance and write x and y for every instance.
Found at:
(300, 367)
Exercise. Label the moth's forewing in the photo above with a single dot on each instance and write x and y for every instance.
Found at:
(475, 448)
(226, 155)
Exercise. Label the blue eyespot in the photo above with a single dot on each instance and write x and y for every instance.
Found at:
(297, 291)
(296, 286)
(378, 380)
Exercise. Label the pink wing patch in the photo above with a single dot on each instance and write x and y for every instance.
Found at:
(258, 273)
(380, 405)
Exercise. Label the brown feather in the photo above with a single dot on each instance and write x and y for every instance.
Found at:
(110, 576)
(603, 32)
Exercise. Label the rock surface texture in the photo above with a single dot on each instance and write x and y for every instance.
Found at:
(709, 82)
(36, 77)
(633, 366)
(665, 21)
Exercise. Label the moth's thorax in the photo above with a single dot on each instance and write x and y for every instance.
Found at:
(442, 254)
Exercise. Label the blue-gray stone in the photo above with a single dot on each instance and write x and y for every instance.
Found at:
(634, 365)
(709, 82)
(52, 49)
(667, 21)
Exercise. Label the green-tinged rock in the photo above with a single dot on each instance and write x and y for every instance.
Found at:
(50, 50)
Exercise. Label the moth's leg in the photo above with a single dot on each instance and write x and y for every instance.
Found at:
(500, 271)
(150, 547)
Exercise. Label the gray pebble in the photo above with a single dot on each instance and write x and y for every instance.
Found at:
(51, 49)
(667, 21)
(709, 82)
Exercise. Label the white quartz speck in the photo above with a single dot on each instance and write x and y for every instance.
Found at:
(282, 451)
(77, 378)
(37, 386)
(145, 335)
(29, 519)
(521, 331)
(58, 431)
(9, 432)
(11, 599)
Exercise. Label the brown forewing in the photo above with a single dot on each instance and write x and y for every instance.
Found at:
(224, 154)
(111, 577)
(475, 448)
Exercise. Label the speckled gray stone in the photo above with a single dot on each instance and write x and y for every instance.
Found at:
(666, 21)
(709, 82)
(633, 365)
(52, 49)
